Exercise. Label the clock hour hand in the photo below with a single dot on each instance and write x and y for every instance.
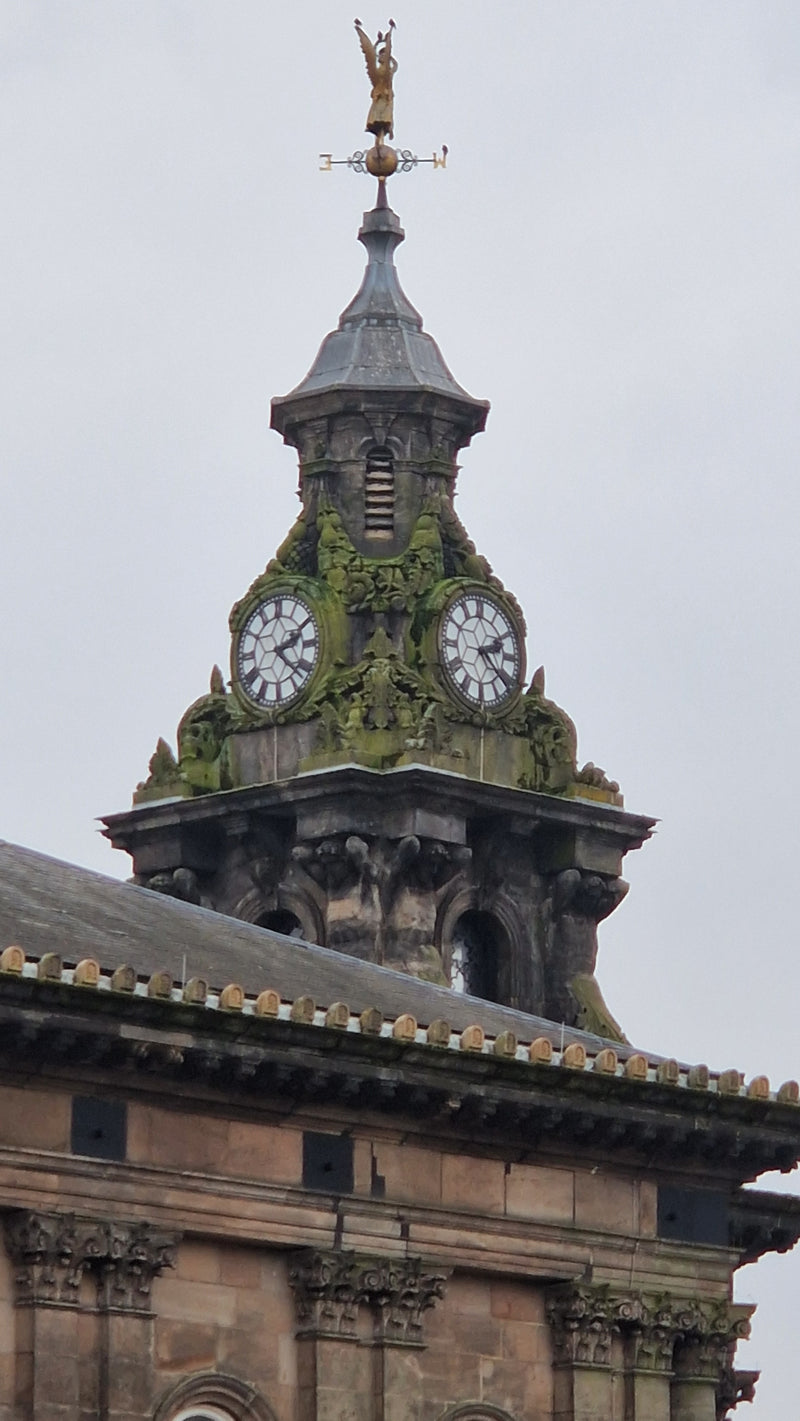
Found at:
(491, 648)
(281, 650)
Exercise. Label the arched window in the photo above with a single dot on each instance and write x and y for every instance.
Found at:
(210, 1396)
(478, 954)
(202, 1413)
(379, 494)
(475, 1411)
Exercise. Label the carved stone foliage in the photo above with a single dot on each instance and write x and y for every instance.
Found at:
(380, 584)
(661, 1333)
(201, 766)
(382, 693)
(331, 1287)
(52, 1253)
(580, 1318)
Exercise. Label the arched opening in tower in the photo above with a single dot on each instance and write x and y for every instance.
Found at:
(280, 920)
(479, 949)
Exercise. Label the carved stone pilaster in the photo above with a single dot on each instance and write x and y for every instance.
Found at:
(51, 1254)
(330, 1287)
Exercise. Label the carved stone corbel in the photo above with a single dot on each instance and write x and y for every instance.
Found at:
(578, 901)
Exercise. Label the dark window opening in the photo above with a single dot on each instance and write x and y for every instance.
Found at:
(692, 1215)
(280, 920)
(480, 946)
(379, 494)
(99, 1127)
(328, 1163)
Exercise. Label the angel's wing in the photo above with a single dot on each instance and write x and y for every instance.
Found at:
(369, 52)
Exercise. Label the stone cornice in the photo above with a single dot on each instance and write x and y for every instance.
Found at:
(51, 1254)
(763, 1222)
(521, 810)
(63, 1018)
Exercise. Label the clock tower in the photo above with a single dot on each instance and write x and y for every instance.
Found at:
(379, 774)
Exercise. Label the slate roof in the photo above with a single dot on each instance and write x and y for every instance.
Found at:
(50, 906)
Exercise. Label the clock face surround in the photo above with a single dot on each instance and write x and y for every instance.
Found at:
(481, 650)
(277, 650)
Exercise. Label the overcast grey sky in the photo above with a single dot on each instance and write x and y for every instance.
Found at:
(610, 257)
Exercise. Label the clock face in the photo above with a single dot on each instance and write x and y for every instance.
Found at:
(480, 650)
(277, 650)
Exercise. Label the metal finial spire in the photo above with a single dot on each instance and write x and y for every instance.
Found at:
(381, 160)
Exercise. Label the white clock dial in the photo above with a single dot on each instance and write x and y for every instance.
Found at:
(481, 650)
(277, 650)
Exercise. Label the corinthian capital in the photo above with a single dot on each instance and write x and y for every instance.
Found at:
(581, 1318)
(51, 1253)
(661, 1333)
(331, 1287)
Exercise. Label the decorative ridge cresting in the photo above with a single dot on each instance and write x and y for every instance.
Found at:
(571, 1056)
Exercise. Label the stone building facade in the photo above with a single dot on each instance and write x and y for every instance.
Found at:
(245, 1202)
(323, 1116)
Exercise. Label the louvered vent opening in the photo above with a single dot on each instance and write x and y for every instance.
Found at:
(379, 495)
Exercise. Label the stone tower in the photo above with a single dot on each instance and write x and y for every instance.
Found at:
(379, 775)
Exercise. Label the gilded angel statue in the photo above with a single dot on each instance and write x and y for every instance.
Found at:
(381, 69)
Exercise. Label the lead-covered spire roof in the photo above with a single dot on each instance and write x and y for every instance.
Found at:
(379, 343)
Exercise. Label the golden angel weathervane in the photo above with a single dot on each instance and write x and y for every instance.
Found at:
(380, 160)
(381, 67)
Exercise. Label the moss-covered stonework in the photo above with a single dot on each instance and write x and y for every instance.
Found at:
(378, 696)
